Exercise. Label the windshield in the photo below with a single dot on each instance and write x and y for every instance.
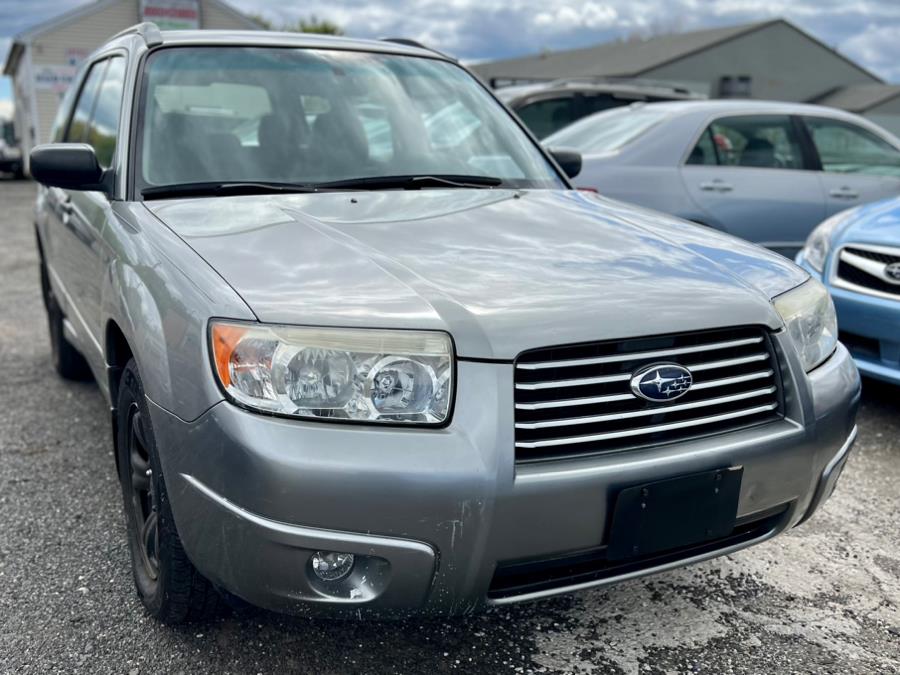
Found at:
(607, 131)
(304, 116)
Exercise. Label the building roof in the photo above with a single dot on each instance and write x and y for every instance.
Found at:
(859, 98)
(630, 58)
(83, 12)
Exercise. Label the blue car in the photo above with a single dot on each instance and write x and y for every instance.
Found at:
(856, 254)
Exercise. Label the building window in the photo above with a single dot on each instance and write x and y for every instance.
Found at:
(735, 86)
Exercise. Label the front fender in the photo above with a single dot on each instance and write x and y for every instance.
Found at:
(160, 294)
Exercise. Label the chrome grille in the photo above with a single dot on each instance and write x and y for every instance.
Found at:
(862, 268)
(576, 400)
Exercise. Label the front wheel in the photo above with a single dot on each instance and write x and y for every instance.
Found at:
(168, 584)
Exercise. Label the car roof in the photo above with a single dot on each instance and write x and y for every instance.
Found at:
(752, 106)
(261, 38)
(638, 87)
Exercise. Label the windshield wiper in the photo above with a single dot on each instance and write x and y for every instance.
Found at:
(411, 182)
(220, 189)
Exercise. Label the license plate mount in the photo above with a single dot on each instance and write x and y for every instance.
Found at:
(674, 513)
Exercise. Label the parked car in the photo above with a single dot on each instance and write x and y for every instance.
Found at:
(766, 172)
(856, 254)
(10, 152)
(547, 107)
(425, 377)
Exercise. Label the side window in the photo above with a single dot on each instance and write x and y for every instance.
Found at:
(759, 141)
(847, 148)
(85, 104)
(57, 134)
(705, 150)
(104, 124)
(547, 116)
(597, 102)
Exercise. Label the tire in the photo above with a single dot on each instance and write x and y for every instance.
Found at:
(67, 360)
(167, 583)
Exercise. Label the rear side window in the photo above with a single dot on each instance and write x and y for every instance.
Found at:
(103, 128)
(846, 148)
(705, 150)
(85, 104)
(547, 116)
(753, 141)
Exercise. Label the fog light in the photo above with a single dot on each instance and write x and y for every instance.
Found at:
(332, 566)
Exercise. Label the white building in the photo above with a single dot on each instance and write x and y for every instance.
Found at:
(43, 60)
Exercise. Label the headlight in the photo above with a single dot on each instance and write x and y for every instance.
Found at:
(819, 241)
(810, 320)
(343, 374)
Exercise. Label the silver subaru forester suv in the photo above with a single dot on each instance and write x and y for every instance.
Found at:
(365, 349)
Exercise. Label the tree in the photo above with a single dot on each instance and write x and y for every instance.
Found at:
(311, 25)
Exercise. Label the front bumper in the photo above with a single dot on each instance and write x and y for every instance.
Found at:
(870, 328)
(431, 514)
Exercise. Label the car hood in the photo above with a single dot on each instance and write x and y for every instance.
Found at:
(502, 271)
(877, 223)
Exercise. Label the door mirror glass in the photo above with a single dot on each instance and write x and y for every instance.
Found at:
(569, 160)
(71, 166)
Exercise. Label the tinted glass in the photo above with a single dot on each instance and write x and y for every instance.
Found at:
(57, 133)
(597, 102)
(85, 104)
(607, 131)
(104, 124)
(9, 132)
(757, 141)
(847, 148)
(545, 117)
(309, 116)
(705, 150)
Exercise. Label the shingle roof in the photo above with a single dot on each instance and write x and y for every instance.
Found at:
(620, 58)
(629, 58)
(859, 98)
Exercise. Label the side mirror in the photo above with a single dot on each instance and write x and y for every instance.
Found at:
(72, 166)
(569, 160)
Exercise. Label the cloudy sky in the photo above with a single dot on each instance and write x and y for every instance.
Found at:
(865, 30)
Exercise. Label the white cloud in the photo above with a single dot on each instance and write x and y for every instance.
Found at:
(866, 30)
(877, 48)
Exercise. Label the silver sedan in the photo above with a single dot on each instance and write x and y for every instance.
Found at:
(767, 172)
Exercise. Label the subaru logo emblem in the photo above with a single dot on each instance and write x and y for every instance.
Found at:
(662, 382)
(892, 272)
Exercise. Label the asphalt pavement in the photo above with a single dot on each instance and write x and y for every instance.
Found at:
(824, 598)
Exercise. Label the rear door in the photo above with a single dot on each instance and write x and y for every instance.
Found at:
(858, 165)
(751, 176)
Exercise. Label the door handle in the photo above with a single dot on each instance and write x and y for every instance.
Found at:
(716, 185)
(66, 207)
(844, 193)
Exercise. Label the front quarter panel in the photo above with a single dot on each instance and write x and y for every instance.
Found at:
(161, 295)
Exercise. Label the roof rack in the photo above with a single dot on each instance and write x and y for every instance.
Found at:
(415, 43)
(148, 30)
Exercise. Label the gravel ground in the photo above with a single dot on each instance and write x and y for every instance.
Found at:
(822, 599)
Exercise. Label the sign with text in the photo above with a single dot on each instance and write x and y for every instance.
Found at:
(172, 14)
(54, 78)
